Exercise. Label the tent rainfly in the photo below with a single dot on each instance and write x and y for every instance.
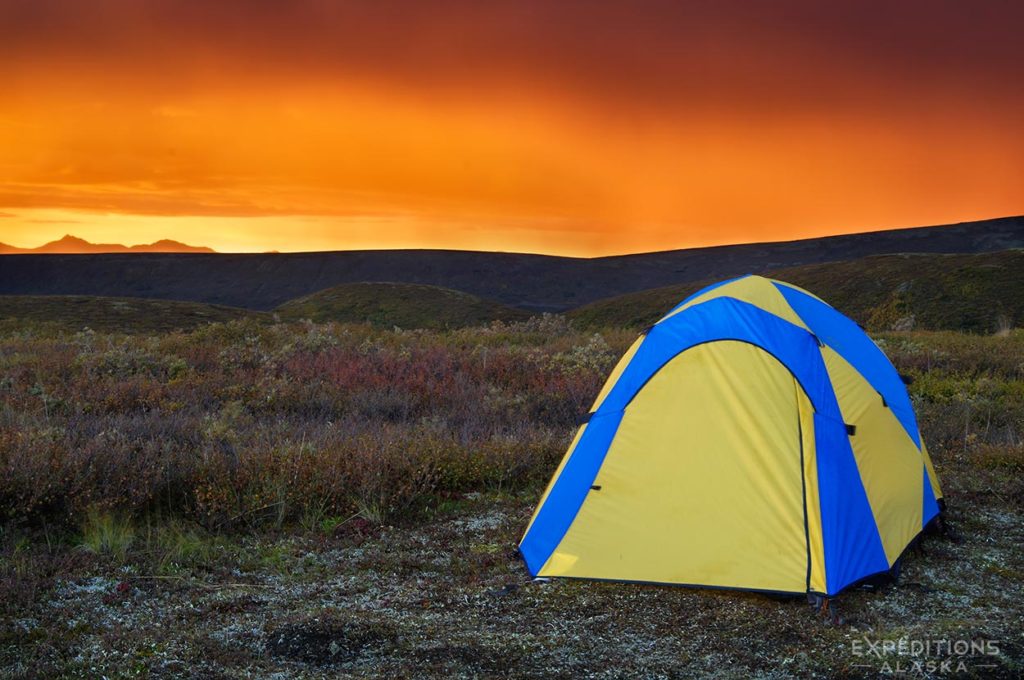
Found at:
(754, 438)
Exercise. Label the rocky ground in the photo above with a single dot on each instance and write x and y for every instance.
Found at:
(450, 597)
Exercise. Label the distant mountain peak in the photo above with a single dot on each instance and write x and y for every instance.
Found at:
(74, 245)
(167, 245)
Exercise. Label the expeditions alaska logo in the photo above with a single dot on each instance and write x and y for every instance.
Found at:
(925, 656)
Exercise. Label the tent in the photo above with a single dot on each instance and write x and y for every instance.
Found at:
(754, 438)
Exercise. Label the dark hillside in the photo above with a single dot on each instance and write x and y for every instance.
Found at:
(535, 282)
(979, 293)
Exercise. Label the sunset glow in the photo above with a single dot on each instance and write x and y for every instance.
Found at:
(565, 127)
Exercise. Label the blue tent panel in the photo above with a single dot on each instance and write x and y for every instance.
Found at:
(853, 548)
(853, 344)
(931, 506)
(570, 490)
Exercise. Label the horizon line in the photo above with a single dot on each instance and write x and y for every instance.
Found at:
(31, 250)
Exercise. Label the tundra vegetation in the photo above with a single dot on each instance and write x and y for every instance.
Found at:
(249, 498)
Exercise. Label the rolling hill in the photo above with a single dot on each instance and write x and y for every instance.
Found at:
(119, 315)
(398, 304)
(533, 282)
(978, 292)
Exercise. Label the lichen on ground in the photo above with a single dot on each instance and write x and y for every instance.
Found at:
(451, 598)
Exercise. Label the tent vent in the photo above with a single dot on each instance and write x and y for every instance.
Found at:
(596, 487)
(851, 430)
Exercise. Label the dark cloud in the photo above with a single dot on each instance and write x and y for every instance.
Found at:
(753, 55)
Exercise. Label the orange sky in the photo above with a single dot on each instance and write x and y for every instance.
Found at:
(568, 127)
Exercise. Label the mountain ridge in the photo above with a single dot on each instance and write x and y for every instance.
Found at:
(532, 282)
(73, 245)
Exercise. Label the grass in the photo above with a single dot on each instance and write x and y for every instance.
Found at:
(113, 314)
(405, 305)
(105, 533)
(980, 293)
(318, 500)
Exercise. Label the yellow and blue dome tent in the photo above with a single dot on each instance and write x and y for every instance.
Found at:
(754, 438)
